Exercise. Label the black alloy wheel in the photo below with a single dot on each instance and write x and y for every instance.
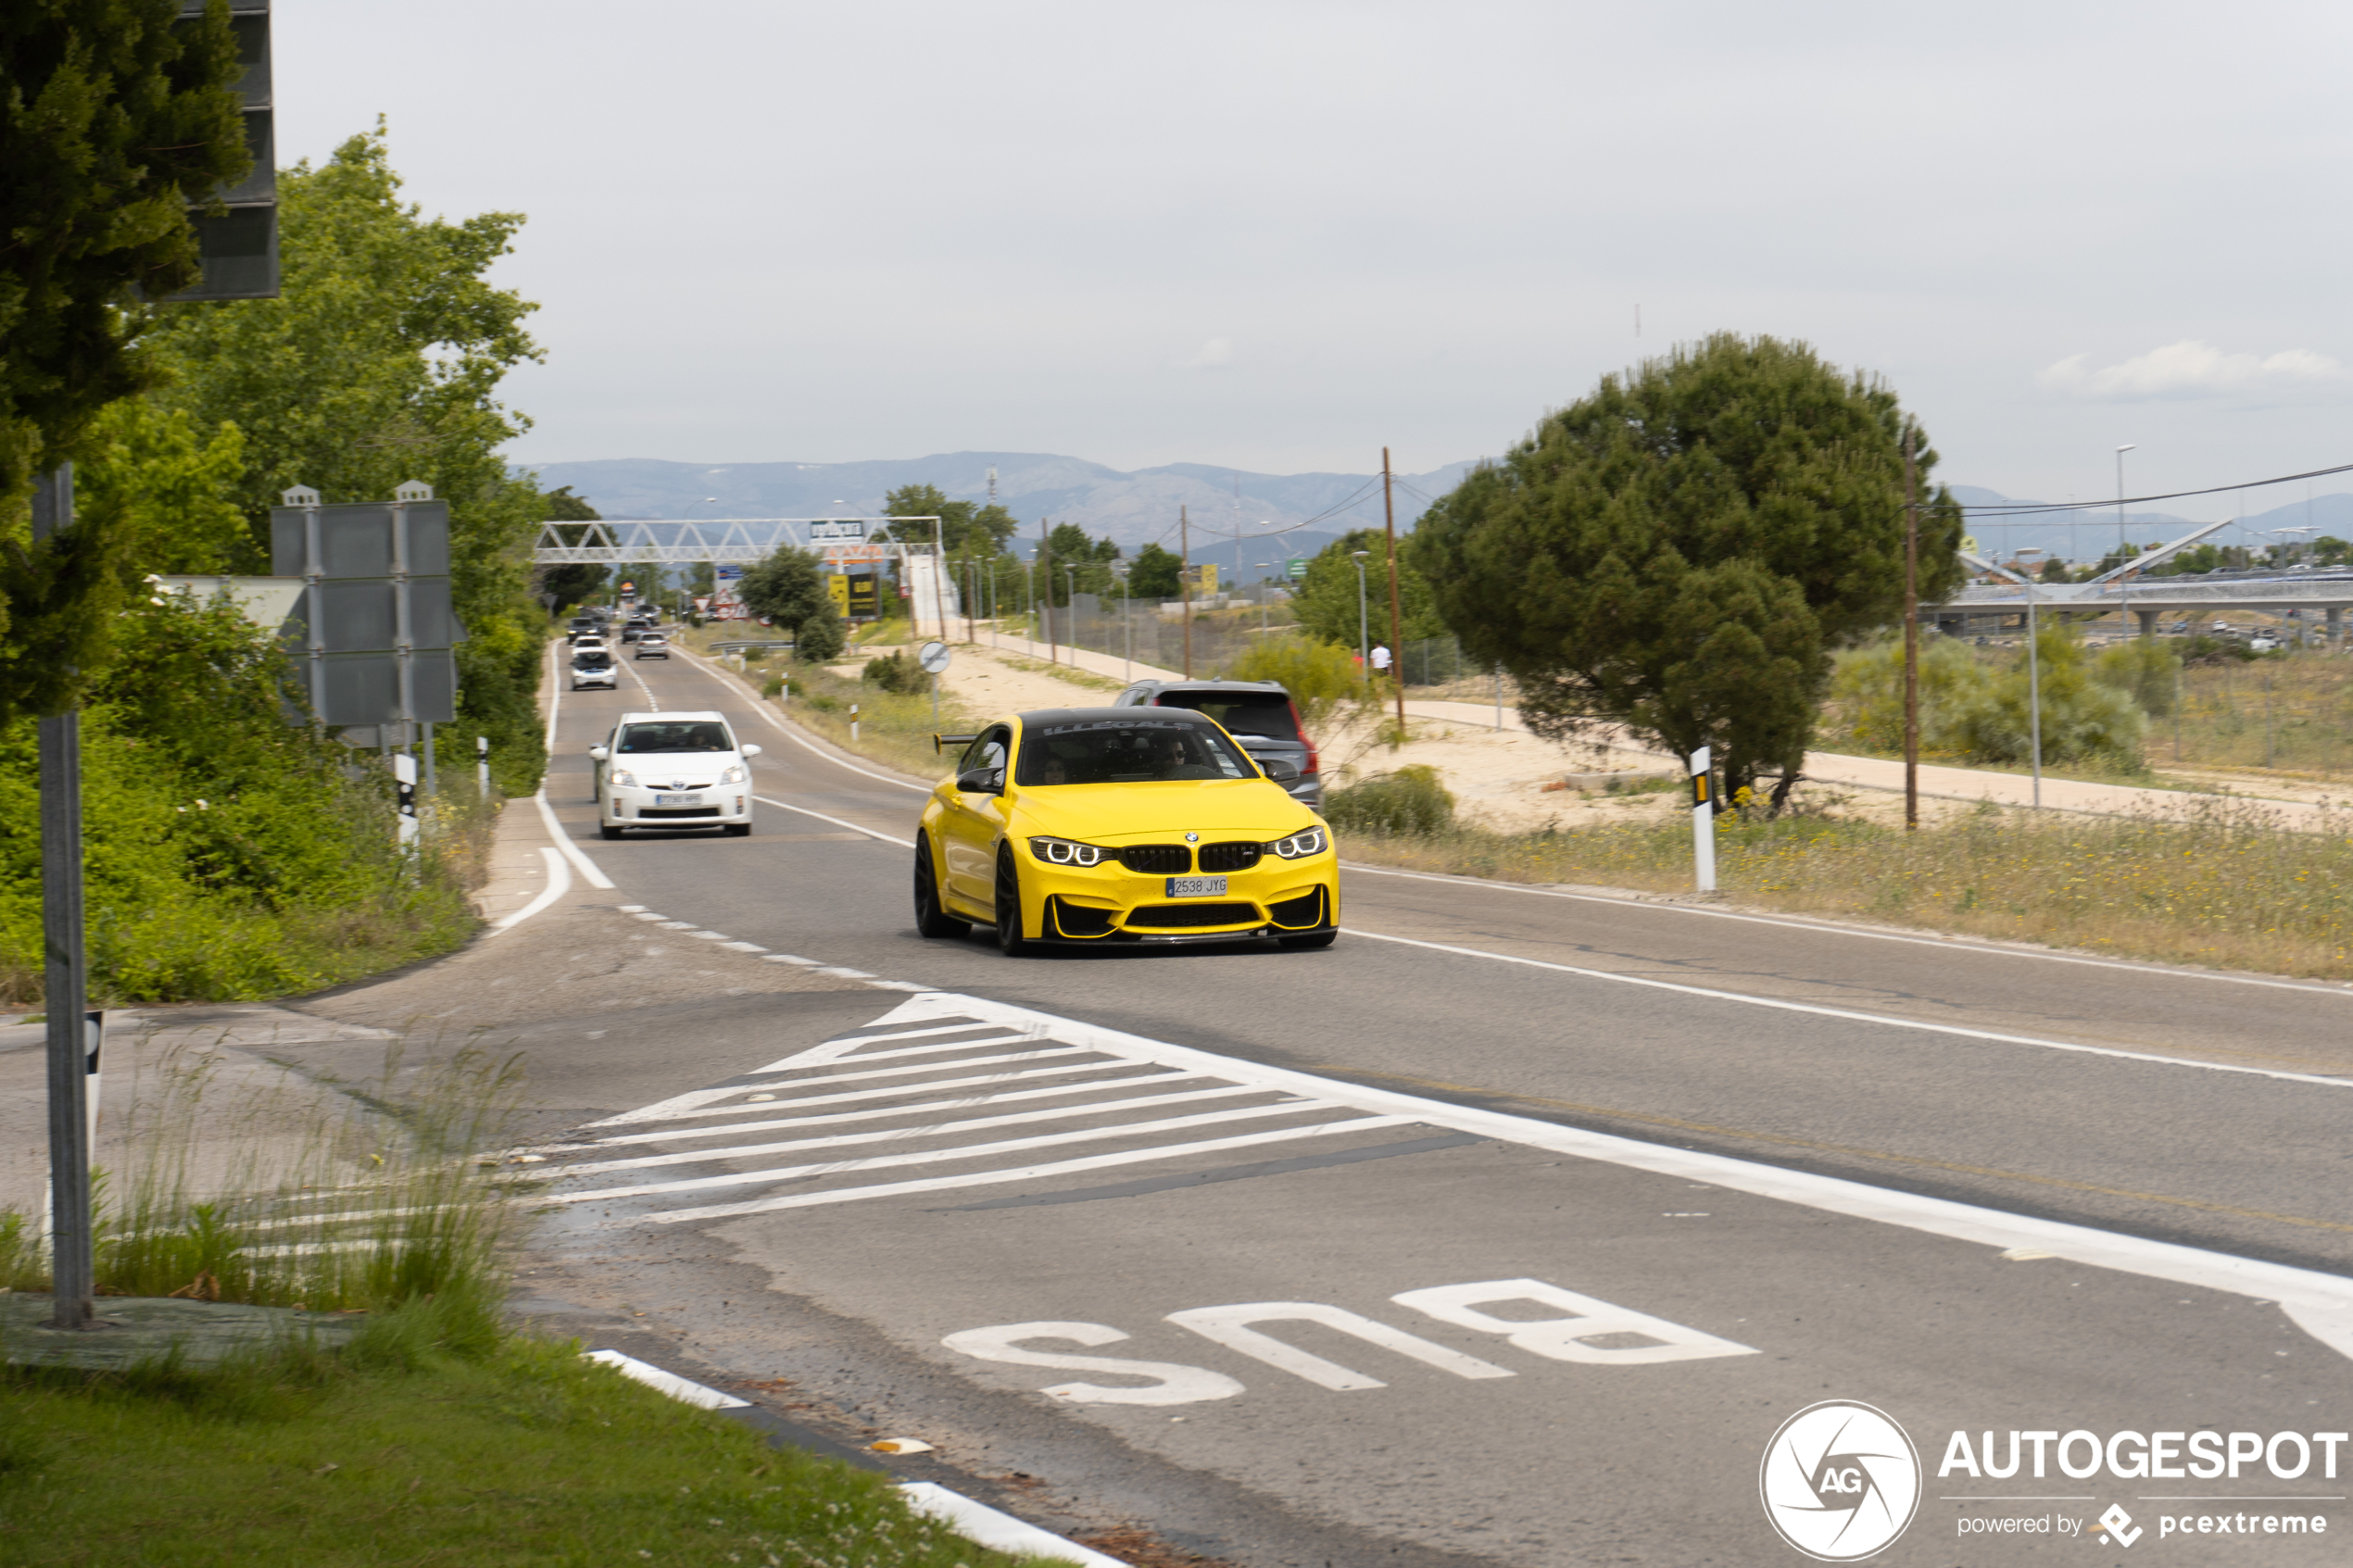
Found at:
(1009, 941)
(931, 919)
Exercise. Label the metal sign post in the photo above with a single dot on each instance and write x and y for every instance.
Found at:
(64, 975)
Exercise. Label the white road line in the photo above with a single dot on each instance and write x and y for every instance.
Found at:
(571, 851)
(1885, 1019)
(1026, 1172)
(938, 1156)
(682, 1104)
(558, 883)
(694, 661)
(743, 946)
(918, 1129)
(653, 703)
(853, 1041)
(937, 1048)
(985, 1527)
(669, 1383)
(1827, 929)
(2321, 1304)
(976, 1521)
(889, 1090)
(837, 1118)
(838, 821)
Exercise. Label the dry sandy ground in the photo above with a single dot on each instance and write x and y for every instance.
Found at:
(1498, 778)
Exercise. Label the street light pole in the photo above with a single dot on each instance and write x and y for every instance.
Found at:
(1263, 566)
(1070, 586)
(1363, 625)
(2123, 611)
(1127, 620)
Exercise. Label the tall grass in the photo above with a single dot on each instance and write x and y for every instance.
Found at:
(2225, 887)
(358, 1199)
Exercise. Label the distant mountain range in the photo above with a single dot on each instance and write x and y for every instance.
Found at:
(1139, 507)
(1131, 508)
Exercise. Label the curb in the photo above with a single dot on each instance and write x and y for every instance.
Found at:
(976, 1522)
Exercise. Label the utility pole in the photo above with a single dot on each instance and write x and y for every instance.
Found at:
(64, 975)
(1396, 617)
(1046, 570)
(1911, 637)
(1185, 580)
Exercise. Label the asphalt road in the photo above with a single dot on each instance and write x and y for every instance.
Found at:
(1740, 1165)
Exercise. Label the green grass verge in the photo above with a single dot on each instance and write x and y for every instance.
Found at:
(525, 1455)
(2223, 887)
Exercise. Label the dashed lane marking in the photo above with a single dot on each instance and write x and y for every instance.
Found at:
(1104, 1069)
(1885, 1020)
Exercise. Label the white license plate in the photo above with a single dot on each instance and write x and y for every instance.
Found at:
(1195, 887)
(677, 799)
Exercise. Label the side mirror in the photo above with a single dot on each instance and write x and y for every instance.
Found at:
(982, 781)
(1280, 770)
(598, 752)
(751, 751)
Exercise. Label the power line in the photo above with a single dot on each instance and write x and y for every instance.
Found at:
(2029, 509)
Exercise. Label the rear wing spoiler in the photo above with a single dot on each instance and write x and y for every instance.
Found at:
(941, 742)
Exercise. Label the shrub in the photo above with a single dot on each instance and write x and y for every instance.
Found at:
(897, 673)
(821, 636)
(2150, 671)
(1412, 800)
(1319, 675)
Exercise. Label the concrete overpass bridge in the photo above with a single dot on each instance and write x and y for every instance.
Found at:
(2149, 599)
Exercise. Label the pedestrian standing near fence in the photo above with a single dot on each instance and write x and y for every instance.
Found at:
(1380, 659)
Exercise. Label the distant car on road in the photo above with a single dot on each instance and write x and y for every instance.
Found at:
(1121, 825)
(672, 771)
(2262, 642)
(593, 667)
(1260, 714)
(652, 644)
(582, 626)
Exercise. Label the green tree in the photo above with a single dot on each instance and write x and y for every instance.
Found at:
(112, 120)
(573, 583)
(821, 636)
(787, 588)
(1154, 575)
(1325, 602)
(168, 487)
(381, 362)
(1067, 544)
(1680, 551)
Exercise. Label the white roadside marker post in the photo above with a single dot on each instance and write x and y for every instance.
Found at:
(482, 765)
(1703, 822)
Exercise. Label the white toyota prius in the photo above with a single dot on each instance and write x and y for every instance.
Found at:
(672, 771)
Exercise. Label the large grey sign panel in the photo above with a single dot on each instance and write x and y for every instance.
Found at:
(374, 626)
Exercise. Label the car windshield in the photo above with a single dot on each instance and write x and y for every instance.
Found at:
(686, 735)
(1127, 751)
(1242, 713)
(595, 658)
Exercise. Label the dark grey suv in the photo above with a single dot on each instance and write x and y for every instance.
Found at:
(1260, 714)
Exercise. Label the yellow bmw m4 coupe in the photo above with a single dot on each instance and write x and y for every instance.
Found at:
(1120, 825)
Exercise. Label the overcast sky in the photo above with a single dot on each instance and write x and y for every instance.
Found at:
(1277, 236)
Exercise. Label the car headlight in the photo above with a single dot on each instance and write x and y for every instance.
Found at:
(1063, 852)
(732, 775)
(622, 777)
(1306, 842)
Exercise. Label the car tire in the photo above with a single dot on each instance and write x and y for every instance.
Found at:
(607, 830)
(1010, 940)
(739, 830)
(1313, 939)
(932, 920)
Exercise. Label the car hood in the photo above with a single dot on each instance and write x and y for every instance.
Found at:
(677, 764)
(1138, 813)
